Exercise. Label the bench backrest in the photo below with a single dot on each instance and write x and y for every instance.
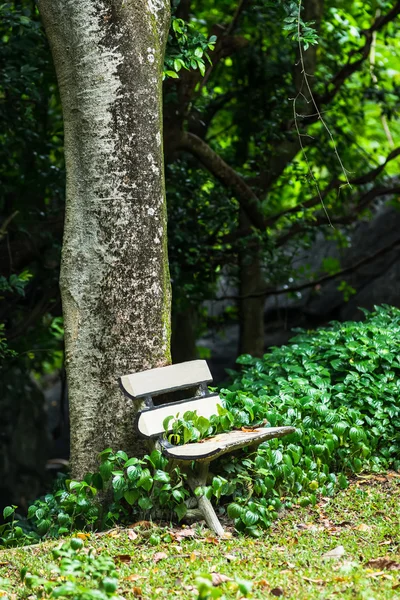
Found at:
(166, 379)
(149, 423)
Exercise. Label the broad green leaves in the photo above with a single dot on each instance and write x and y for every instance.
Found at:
(339, 387)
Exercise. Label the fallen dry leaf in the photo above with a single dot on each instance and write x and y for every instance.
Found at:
(212, 540)
(383, 562)
(184, 533)
(134, 577)
(278, 591)
(218, 578)
(82, 536)
(363, 527)
(143, 524)
(137, 591)
(132, 535)
(334, 554)
(375, 574)
(194, 555)
(114, 533)
(124, 558)
(317, 581)
(159, 556)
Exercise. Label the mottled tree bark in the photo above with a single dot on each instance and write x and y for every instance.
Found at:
(114, 277)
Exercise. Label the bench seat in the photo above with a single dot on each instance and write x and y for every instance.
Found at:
(213, 447)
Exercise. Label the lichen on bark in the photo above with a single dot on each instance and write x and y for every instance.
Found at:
(114, 276)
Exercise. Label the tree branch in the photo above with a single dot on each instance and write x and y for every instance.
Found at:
(226, 175)
(335, 184)
(288, 149)
(362, 203)
(351, 67)
(231, 27)
(321, 280)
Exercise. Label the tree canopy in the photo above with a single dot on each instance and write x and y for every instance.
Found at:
(280, 122)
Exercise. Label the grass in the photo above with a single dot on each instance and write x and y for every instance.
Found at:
(287, 562)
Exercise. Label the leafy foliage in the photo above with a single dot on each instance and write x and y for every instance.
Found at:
(187, 48)
(297, 29)
(77, 574)
(191, 427)
(339, 387)
(141, 486)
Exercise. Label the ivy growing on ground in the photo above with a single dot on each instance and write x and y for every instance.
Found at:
(339, 387)
(76, 574)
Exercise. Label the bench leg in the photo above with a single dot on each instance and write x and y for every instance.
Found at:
(198, 479)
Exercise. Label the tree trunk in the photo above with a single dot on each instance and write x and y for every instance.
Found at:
(184, 334)
(251, 310)
(114, 283)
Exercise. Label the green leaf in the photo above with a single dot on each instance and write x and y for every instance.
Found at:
(181, 510)
(106, 452)
(133, 472)
(167, 421)
(131, 462)
(31, 511)
(244, 586)
(145, 503)
(106, 468)
(67, 589)
(145, 481)
(249, 518)
(76, 543)
(122, 455)
(234, 511)
(131, 496)
(8, 511)
(161, 476)
(171, 74)
(43, 526)
(109, 585)
(118, 483)
(178, 495)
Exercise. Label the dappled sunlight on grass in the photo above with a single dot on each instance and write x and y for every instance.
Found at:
(356, 527)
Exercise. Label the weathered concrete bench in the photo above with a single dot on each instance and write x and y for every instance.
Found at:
(149, 422)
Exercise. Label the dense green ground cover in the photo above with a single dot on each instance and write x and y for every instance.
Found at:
(153, 562)
(338, 387)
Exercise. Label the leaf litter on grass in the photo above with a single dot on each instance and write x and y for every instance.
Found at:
(287, 561)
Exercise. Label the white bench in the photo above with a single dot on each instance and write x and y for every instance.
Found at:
(149, 422)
